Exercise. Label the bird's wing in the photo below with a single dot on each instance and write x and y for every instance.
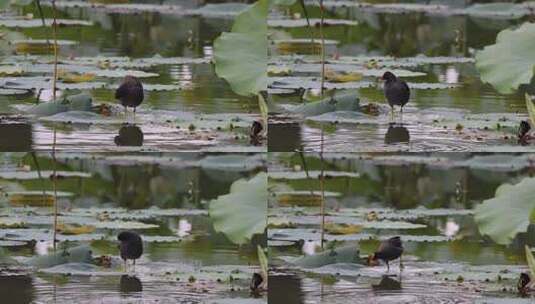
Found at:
(405, 88)
(121, 91)
(381, 246)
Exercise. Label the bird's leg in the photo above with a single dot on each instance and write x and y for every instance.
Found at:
(400, 264)
(125, 270)
(134, 122)
(134, 259)
(391, 112)
(387, 267)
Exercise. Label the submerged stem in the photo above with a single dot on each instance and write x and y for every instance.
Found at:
(55, 36)
(322, 11)
(322, 188)
(54, 184)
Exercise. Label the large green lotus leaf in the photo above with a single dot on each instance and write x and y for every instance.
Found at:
(510, 61)
(241, 55)
(508, 213)
(243, 212)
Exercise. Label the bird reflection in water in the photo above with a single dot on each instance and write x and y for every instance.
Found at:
(129, 136)
(17, 289)
(130, 284)
(397, 133)
(16, 136)
(387, 283)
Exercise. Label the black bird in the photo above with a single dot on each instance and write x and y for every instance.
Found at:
(131, 246)
(389, 250)
(397, 91)
(256, 282)
(130, 93)
(254, 133)
(524, 283)
(523, 132)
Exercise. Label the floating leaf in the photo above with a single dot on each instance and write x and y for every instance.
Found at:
(291, 23)
(73, 229)
(348, 254)
(68, 77)
(26, 175)
(79, 102)
(287, 175)
(36, 46)
(29, 23)
(333, 228)
(79, 254)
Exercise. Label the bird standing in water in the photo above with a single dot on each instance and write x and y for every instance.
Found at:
(397, 91)
(130, 93)
(389, 250)
(131, 246)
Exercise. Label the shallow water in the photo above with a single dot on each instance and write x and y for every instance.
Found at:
(402, 35)
(141, 35)
(427, 199)
(185, 260)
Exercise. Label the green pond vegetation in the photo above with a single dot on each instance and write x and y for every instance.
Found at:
(465, 96)
(202, 219)
(187, 106)
(464, 220)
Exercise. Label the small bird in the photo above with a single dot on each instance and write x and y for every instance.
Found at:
(255, 133)
(523, 133)
(524, 283)
(130, 93)
(397, 91)
(389, 250)
(131, 246)
(256, 281)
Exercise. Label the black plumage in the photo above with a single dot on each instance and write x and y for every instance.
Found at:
(397, 92)
(130, 92)
(523, 283)
(256, 282)
(131, 246)
(389, 250)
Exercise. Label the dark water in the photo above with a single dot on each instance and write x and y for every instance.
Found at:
(408, 35)
(136, 183)
(402, 183)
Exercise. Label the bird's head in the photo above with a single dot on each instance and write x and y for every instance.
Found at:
(388, 76)
(125, 236)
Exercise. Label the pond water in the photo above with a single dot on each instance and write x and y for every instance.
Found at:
(450, 109)
(184, 101)
(427, 199)
(163, 197)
